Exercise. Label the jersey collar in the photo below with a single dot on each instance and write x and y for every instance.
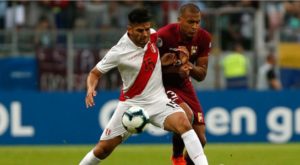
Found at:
(129, 41)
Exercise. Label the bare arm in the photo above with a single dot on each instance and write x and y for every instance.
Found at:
(92, 82)
(200, 69)
(176, 64)
(170, 69)
(168, 59)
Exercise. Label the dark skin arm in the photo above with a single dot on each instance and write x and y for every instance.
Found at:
(169, 60)
(197, 71)
(200, 68)
(170, 69)
(183, 70)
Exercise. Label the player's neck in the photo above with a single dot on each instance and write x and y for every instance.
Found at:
(135, 42)
(184, 37)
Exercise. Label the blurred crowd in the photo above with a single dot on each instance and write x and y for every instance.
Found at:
(66, 14)
(47, 15)
(231, 21)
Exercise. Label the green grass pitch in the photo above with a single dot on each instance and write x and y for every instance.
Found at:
(218, 154)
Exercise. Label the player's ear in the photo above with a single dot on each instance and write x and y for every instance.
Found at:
(129, 28)
(179, 18)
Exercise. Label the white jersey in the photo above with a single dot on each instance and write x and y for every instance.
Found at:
(128, 58)
(140, 69)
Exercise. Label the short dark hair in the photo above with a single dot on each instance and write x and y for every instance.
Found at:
(139, 15)
(190, 7)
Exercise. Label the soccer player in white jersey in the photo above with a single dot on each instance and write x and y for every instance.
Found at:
(137, 59)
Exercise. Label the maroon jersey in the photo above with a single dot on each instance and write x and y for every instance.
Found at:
(181, 89)
(169, 37)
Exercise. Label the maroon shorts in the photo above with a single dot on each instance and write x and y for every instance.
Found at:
(188, 96)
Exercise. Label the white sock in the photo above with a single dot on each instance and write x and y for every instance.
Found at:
(194, 147)
(90, 159)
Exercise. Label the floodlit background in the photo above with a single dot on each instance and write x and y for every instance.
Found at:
(48, 47)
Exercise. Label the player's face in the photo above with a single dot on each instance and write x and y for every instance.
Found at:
(139, 33)
(189, 23)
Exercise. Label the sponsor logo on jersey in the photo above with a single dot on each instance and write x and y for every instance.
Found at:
(149, 64)
(194, 50)
(200, 117)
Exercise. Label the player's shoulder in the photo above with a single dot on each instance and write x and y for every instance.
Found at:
(204, 37)
(123, 46)
(168, 29)
(204, 33)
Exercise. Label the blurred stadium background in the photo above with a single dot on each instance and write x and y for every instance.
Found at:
(48, 47)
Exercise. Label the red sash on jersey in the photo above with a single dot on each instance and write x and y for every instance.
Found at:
(148, 65)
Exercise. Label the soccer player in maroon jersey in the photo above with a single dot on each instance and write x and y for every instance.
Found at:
(184, 48)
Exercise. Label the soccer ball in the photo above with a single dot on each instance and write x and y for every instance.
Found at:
(135, 119)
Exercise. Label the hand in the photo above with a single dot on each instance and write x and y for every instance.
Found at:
(89, 99)
(168, 59)
(183, 54)
(184, 70)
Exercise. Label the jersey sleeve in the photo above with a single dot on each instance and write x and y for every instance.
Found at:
(206, 44)
(161, 41)
(109, 61)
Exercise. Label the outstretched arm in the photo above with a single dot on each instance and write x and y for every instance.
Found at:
(92, 82)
